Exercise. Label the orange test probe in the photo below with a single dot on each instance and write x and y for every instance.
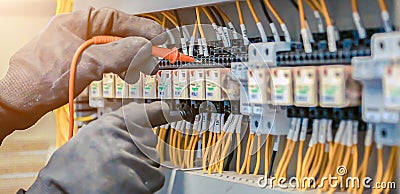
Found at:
(172, 55)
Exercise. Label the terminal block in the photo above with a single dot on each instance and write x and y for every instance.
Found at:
(375, 74)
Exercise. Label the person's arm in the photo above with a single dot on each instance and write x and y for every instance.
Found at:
(115, 154)
(37, 79)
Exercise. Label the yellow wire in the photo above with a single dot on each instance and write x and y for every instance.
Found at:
(316, 4)
(317, 165)
(253, 12)
(171, 19)
(257, 167)
(379, 169)
(163, 134)
(325, 13)
(333, 162)
(299, 160)
(391, 170)
(208, 14)
(354, 166)
(239, 10)
(274, 12)
(164, 20)
(212, 160)
(179, 150)
(345, 163)
(225, 152)
(324, 165)
(223, 14)
(195, 27)
(311, 5)
(218, 161)
(203, 145)
(301, 14)
(206, 154)
(246, 154)
(308, 160)
(362, 171)
(283, 159)
(250, 155)
(267, 157)
(382, 5)
(171, 135)
(186, 156)
(354, 6)
(238, 152)
(286, 164)
(173, 147)
(199, 23)
(192, 151)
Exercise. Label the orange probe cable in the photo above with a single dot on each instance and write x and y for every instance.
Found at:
(172, 55)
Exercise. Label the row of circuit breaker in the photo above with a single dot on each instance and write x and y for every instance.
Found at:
(308, 86)
(195, 84)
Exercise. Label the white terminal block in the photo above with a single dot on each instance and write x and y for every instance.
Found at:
(136, 89)
(164, 78)
(259, 86)
(370, 71)
(282, 86)
(337, 88)
(149, 86)
(108, 85)
(197, 84)
(272, 120)
(216, 89)
(96, 89)
(121, 88)
(180, 80)
(305, 86)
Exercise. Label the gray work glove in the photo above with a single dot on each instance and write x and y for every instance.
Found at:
(37, 80)
(115, 154)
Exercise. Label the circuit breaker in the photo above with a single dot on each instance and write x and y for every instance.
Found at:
(108, 85)
(149, 86)
(197, 84)
(136, 89)
(164, 78)
(180, 84)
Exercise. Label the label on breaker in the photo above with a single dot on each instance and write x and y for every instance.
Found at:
(282, 86)
(332, 86)
(108, 85)
(96, 89)
(391, 87)
(253, 88)
(136, 90)
(259, 86)
(213, 84)
(164, 84)
(197, 84)
(150, 86)
(121, 88)
(180, 84)
(305, 88)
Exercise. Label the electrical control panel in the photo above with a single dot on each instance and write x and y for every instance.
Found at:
(278, 89)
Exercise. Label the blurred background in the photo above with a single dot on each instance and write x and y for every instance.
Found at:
(24, 153)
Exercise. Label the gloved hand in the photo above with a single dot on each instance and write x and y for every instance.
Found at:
(110, 155)
(37, 80)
